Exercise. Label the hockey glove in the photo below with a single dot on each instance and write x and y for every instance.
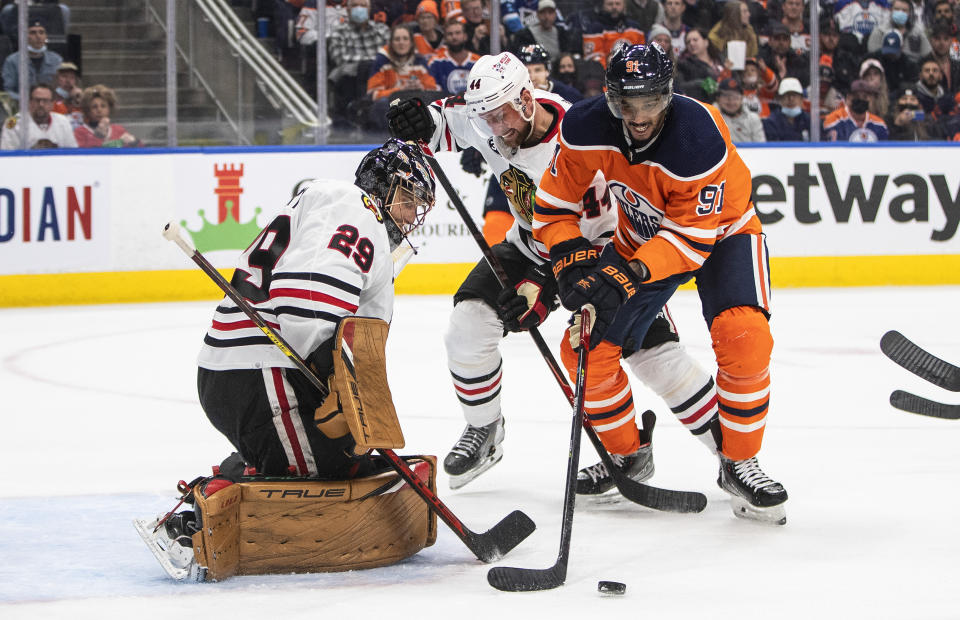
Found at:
(606, 289)
(572, 260)
(472, 161)
(409, 119)
(529, 303)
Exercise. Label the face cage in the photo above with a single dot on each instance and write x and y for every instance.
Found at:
(652, 103)
(422, 197)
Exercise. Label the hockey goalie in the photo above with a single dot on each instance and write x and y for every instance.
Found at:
(302, 494)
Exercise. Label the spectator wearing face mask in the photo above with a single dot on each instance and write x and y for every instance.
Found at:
(42, 64)
(853, 121)
(355, 41)
(913, 41)
(788, 122)
(67, 92)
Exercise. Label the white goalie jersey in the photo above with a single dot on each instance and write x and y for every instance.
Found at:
(324, 257)
(519, 171)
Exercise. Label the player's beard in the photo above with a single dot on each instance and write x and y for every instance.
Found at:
(645, 130)
(516, 137)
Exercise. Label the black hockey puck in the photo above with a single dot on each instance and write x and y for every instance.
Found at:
(611, 587)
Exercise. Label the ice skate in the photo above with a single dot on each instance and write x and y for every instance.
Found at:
(638, 466)
(477, 450)
(753, 495)
(596, 479)
(171, 544)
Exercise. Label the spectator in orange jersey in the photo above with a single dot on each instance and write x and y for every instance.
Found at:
(427, 36)
(398, 67)
(759, 87)
(606, 27)
(98, 103)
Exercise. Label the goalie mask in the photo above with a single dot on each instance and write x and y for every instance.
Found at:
(399, 178)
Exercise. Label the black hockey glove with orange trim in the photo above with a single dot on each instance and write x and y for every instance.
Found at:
(606, 289)
(572, 260)
(528, 303)
(409, 119)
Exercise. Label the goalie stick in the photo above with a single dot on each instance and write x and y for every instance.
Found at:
(510, 579)
(488, 546)
(637, 492)
(925, 365)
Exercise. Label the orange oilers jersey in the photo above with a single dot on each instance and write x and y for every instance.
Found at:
(599, 45)
(678, 194)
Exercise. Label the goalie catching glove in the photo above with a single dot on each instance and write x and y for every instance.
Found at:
(528, 304)
(409, 119)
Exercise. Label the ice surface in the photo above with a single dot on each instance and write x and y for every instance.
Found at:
(100, 420)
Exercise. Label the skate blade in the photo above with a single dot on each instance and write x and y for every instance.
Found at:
(157, 546)
(773, 515)
(457, 482)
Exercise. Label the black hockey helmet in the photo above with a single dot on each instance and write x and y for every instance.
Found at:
(534, 54)
(638, 71)
(398, 165)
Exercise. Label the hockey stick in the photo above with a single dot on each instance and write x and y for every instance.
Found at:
(511, 579)
(488, 546)
(637, 492)
(918, 404)
(925, 365)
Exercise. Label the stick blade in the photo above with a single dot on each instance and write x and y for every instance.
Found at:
(509, 579)
(500, 539)
(667, 500)
(922, 406)
(925, 365)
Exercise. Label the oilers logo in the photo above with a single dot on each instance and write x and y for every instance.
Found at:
(457, 80)
(644, 217)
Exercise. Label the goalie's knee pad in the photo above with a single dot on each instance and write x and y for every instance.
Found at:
(473, 335)
(741, 341)
(299, 526)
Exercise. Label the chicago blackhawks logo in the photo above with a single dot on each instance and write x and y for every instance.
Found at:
(520, 191)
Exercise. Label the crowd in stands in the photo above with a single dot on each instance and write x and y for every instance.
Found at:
(888, 70)
(60, 113)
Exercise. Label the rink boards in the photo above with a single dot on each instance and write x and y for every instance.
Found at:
(84, 226)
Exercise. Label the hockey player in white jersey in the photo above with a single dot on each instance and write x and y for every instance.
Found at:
(324, 257)
(515, 127)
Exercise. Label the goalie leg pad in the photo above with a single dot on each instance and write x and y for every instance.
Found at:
(301, 526)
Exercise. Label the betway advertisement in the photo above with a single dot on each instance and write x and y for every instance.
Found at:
(105, 212)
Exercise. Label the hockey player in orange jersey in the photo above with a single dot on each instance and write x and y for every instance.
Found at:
(685, 211)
